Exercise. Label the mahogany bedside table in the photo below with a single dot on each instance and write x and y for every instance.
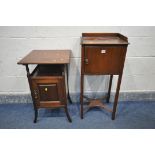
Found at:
(102, 54)
(49, 80)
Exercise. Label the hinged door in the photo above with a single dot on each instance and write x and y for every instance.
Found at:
(104, 59)
(49, 92)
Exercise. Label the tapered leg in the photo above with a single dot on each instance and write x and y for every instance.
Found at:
(109, 89)
(36, 115)
(67, 114)
(82, 80)
(116, 96)
(81, 96)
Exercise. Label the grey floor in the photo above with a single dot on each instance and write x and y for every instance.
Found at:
(130, 115)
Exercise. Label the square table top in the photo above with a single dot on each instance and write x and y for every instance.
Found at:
(46, 57)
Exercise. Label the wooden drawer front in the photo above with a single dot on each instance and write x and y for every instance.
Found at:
(49, 91)
(104, 59)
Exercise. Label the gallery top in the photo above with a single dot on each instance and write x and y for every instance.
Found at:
(46, 57)
(103, 39)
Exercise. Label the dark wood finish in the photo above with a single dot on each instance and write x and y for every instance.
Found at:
(35, 115)
(67, 114)
(116, 96)
(32, 94)
(47, 80)
(46, 57)
(102, 54)
(82, 81)
(98, 103)
(67, 81)
(109, 89)
(98, 62)
(48, 90)
(105, 35)
(65, 102)
(103, 39)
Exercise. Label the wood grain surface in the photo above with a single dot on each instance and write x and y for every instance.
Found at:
(46, 57)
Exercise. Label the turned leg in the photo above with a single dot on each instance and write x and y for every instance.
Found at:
(67, 114)
(81, 95)
(116, 96)
(109, 89)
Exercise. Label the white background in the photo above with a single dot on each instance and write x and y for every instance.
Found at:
(88, 13)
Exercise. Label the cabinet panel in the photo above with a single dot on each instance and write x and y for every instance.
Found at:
(49, 91)
(104, 59)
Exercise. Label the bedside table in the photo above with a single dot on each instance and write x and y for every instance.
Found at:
(49, 80)
(102, 54)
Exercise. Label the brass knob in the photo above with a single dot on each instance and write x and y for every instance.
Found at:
(45, 89)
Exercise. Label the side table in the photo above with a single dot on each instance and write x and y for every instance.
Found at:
(102, 54)
(49, 80)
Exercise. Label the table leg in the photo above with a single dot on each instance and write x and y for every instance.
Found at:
(67, 76)
(109, 89)
(116, 96)
(82, 81)
(81, 95)
(30, 85)
(67, 114)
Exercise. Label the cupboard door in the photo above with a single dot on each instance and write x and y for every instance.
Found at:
(49, 92)
(104, 59)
